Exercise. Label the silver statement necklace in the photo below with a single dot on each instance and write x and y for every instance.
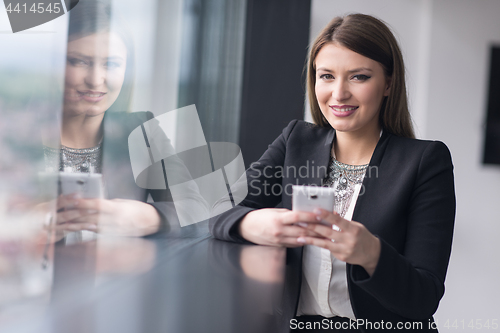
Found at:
(347, 177)
(86, 160)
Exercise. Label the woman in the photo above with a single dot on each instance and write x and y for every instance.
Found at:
(386, 262)
(94, 138)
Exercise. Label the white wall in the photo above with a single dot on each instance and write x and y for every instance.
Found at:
(446, 48)
(462, 33)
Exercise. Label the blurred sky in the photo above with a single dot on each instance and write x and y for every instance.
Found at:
(39, 49)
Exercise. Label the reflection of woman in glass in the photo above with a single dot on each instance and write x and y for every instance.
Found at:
(395, 204)
(93, 137)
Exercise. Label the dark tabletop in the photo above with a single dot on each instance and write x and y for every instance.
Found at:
(183, 282)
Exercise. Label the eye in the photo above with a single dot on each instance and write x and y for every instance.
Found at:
(326, 77)
(77, 62)
(360, 77)
(112, 64)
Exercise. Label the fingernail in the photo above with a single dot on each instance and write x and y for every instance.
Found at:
(317, 211)
(91, 211)
(92, 227)
(301, 240)
(302, 224)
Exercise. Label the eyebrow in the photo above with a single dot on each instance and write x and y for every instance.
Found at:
(355, 70)
(89, 57)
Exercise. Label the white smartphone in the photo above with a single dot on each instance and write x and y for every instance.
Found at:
(87, 185)
(308, 198)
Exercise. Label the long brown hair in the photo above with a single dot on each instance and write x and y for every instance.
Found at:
(370, 37)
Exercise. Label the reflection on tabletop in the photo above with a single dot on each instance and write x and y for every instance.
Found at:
(255, 276)
(145, 285)
(35, 273)
(263, 263)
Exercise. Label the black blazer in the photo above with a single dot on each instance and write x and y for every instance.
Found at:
(407, 200)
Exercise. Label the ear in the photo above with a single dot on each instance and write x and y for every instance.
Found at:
(388, 86)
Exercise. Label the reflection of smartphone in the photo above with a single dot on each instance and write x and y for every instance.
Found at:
(307, 198)
(87, 185)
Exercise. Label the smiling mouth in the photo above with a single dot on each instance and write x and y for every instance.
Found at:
(345, 108)
(91, 94)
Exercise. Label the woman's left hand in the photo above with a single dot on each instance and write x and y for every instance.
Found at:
(353, 243)
(116, 216)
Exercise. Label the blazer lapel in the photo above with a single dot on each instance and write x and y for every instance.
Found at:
(368, 192)
(317, 160)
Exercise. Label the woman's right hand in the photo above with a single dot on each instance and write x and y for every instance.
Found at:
(275, 227)
(70, 218)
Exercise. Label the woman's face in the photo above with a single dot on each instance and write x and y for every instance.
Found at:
(350, 89)
(95, 70)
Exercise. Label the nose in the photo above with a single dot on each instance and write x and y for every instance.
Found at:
(96, 76)
(341, 91)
